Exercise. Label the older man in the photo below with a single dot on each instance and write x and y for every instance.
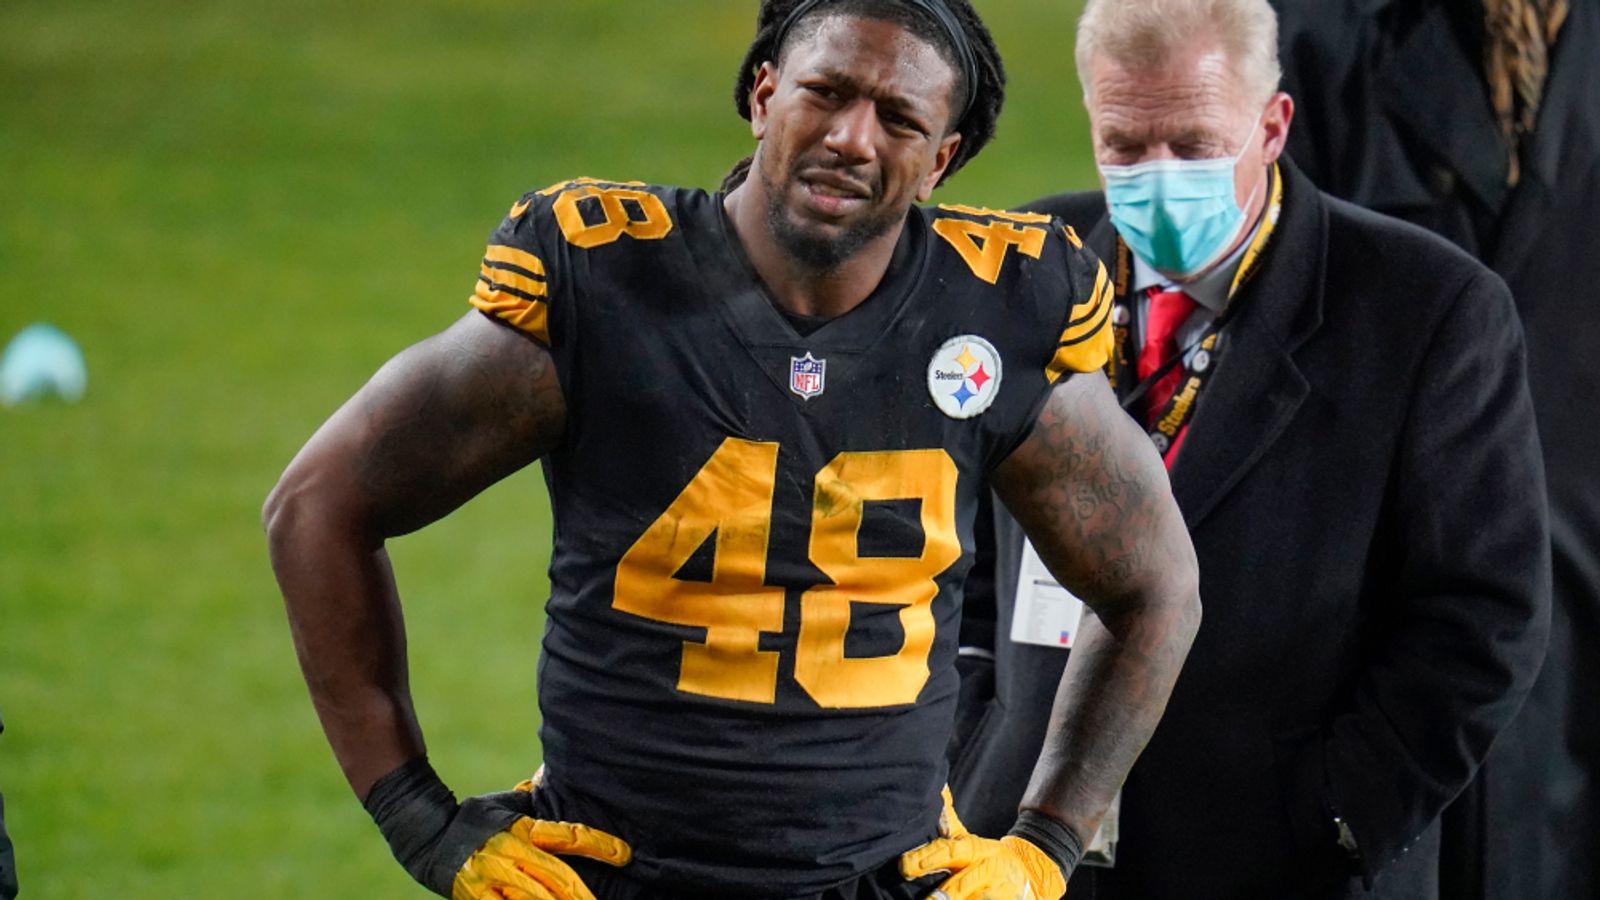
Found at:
(1341, 403)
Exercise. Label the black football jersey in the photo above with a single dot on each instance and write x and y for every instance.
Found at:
(761, 529)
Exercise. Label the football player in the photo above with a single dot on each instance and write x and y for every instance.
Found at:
(765, 417)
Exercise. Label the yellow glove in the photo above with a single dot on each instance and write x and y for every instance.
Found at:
(520, 863)
(983, 869)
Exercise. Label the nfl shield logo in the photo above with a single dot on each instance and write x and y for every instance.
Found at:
(807, 375)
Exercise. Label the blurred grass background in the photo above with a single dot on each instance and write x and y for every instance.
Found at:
(240, 209)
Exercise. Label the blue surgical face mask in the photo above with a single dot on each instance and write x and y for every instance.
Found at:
(1178, 215)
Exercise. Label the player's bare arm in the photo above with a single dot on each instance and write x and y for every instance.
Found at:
(437, 424)
(1093, 497)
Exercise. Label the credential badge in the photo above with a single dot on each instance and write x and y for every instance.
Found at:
(964, 376)
(808, 376)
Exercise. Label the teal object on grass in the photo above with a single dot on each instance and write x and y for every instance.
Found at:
(42, 361)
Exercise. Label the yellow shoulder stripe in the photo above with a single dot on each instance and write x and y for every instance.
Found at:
(511, 287)
(1086, 342)
(511, 256)
(532, 316)
(1087, 316)
(507, 278)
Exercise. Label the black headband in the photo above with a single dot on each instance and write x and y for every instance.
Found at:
(940, 13)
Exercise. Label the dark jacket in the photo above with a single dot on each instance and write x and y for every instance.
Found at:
(8, 865)
(1363, 487)
(1393, 114)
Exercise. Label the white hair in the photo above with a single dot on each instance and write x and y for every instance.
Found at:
(1142, 33)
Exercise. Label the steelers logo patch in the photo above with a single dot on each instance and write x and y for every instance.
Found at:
(964, 376)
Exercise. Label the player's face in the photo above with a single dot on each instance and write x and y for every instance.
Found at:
(852, 131)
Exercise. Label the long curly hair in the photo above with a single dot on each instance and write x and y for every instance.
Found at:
(977, 127)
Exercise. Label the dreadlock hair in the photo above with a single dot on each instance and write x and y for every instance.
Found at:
(977, 127)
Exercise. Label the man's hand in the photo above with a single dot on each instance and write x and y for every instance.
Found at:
(519, 863)
(982, 869)
(1011, 868)
(486, 848)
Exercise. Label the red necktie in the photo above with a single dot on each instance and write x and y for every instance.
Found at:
(1168, 311)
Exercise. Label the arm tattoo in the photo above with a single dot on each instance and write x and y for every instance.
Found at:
(1084, 482)
(1092, 495)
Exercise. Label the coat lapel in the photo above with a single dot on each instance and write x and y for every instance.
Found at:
(1258, 387)
(1416, 83)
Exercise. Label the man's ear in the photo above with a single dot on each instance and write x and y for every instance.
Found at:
(760, 95)
(1275, 126)
(941, 161)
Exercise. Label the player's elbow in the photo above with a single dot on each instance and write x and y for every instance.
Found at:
(293, 508)
(281, 511)
(314, 504)
(1185, 594)
(1190, 614)
(1173, 595)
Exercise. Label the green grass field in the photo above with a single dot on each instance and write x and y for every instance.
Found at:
(241, 209)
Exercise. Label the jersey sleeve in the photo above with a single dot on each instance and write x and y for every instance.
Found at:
(514, 280)
(542, 261)
(1086, 341)
(1041, 299)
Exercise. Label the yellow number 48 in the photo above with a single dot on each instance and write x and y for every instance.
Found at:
(729, 501)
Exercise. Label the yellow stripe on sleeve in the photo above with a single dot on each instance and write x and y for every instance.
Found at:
(1086, 316)
(532, 316)
(1087, 341)
(511, 288)
(512, 256)
(508, 278)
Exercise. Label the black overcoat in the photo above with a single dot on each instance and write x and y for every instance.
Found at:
(1393, 114)
(1363, 485)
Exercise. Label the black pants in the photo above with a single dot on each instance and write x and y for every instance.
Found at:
(609, 883)
(883, 883)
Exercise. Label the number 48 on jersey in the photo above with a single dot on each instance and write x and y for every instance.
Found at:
(731, 497)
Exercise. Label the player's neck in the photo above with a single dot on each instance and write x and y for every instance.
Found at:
(795, 285)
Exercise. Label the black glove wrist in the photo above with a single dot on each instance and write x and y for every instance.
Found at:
(1055, 839)
(428, 831)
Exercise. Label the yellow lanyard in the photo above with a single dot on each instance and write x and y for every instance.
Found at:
(1180, 408)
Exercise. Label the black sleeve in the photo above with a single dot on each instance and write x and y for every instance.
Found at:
(1466, 622)
(8, 863)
